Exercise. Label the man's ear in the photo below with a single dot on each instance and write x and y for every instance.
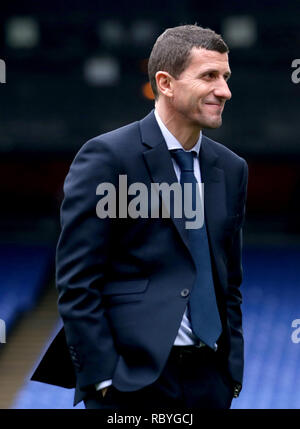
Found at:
(164, 83)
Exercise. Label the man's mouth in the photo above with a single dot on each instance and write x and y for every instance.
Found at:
(214, 104)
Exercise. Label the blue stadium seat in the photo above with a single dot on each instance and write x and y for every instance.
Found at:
(24, 271)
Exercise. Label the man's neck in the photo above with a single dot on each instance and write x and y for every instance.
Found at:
(176, 124)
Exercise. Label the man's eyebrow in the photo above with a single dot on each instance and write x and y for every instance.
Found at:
(211, 70)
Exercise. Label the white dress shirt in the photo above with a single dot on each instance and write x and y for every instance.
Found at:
(185, 335)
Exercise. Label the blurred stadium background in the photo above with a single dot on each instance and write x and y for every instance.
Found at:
(75, 69)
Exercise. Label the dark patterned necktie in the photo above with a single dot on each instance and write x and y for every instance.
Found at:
(203, 309)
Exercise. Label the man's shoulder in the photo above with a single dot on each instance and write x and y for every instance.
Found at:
(111, 144)
(122, 135)
(224, 153)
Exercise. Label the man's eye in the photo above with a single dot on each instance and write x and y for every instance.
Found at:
(209, 75)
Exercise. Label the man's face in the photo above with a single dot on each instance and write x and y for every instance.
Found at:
(201, 90)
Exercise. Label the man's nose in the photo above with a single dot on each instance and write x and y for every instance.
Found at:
(222, 90)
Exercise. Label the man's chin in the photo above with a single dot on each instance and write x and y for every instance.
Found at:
(213, 123)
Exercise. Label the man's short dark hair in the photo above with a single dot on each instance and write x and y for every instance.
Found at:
(172, 48)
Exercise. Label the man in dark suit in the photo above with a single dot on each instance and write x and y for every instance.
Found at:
(151, 309)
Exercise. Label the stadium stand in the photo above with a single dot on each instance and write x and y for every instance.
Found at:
(25, 269)
(271, 302)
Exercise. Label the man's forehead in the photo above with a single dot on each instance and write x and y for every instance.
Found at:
(205, 57)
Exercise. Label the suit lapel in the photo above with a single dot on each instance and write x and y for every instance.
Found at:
(159, 162)
(214, 192)
(160, 167)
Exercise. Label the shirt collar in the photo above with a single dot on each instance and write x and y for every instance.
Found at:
(171, 141)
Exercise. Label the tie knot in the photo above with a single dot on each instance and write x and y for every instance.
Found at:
(184, 159)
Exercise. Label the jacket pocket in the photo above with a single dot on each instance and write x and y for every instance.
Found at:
(125, 291)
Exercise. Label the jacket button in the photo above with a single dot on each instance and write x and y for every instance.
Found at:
(184, 293)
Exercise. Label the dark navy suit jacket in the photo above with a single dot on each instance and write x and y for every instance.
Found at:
(120, 279)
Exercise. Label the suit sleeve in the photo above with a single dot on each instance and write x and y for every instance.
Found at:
(81, 261)
(235, 277)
